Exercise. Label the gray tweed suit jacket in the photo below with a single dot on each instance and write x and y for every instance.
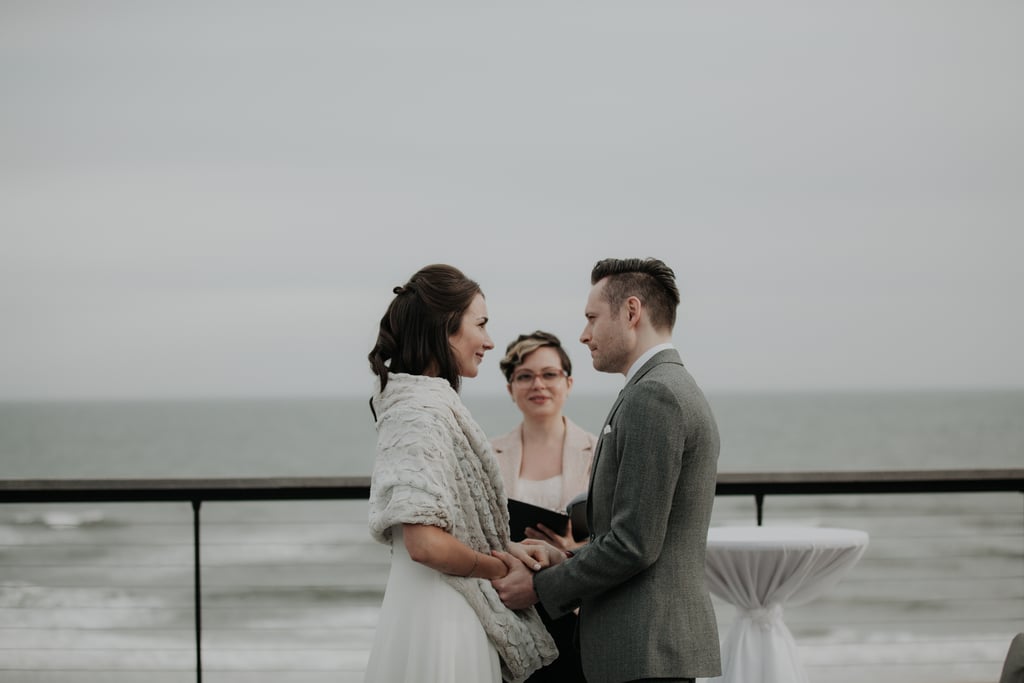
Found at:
(644, 609)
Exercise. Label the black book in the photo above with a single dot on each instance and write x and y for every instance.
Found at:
(522, 515)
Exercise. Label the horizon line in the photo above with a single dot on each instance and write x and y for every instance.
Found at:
(311, 396)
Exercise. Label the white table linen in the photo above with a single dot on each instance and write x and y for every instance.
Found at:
(761, 569)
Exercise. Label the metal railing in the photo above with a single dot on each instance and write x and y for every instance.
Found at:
(759, 485)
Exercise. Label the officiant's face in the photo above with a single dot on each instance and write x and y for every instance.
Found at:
(471, 341)
(539, 384)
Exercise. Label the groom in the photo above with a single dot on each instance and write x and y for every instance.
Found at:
(639, 583)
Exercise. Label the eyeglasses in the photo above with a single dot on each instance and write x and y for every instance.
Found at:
(548, 377)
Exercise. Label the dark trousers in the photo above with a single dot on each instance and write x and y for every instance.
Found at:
(567, 668)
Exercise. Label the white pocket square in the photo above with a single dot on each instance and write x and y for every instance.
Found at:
(607, 429)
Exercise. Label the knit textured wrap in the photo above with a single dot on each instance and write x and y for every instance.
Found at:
(435, 466)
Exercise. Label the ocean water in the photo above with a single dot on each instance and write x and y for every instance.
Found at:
(290, 590)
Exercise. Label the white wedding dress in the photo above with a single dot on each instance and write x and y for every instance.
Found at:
(427, 632)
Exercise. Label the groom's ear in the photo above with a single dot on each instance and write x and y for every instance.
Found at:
(633, 308)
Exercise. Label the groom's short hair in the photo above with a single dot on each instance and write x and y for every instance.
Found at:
(648, 279)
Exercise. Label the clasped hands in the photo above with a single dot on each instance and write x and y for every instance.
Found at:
(523, 559)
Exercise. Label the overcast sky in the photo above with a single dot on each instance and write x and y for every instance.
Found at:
(216, 198)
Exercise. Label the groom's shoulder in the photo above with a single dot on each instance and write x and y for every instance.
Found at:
(666, 368)
(674, 379)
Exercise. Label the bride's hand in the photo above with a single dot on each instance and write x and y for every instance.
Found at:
(541, 553)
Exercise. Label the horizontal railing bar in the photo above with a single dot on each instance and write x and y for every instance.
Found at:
(871, 481)
(183, 490)
(354, 488)
(189, 629)
(77, 650)
(135, 670)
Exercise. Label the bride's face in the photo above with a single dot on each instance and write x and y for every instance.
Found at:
(471, 342)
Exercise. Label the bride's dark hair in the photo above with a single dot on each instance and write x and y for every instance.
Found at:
(414, 331)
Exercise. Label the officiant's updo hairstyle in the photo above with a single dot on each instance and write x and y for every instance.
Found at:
(414, 331)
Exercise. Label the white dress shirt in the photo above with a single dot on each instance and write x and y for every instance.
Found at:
(647, 355)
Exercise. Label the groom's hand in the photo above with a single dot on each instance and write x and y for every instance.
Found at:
(516, 588)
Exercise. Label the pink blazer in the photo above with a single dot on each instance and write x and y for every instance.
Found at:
(577, 456)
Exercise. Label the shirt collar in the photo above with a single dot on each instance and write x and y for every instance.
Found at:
(647, 355)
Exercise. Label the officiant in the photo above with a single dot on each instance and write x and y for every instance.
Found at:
(545, 461)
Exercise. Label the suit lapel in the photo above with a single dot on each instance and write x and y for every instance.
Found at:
(605, 432)
(666, 356)
(577, 454)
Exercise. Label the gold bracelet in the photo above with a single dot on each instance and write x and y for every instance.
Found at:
(476, 561)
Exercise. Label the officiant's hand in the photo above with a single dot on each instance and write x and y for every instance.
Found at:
(543, 533)
(516, 588)
(551, 554)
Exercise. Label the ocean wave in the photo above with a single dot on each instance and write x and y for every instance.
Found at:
(846, 647)
(30, 606)
(293, 594)
(61, 519)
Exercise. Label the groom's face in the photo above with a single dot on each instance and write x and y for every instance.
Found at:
(605, 333)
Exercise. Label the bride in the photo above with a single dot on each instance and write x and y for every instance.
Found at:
(437, 498)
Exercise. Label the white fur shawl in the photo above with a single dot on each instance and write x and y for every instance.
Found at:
(435, 466)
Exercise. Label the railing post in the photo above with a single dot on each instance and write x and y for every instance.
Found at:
(196, 589)
(759, 502)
